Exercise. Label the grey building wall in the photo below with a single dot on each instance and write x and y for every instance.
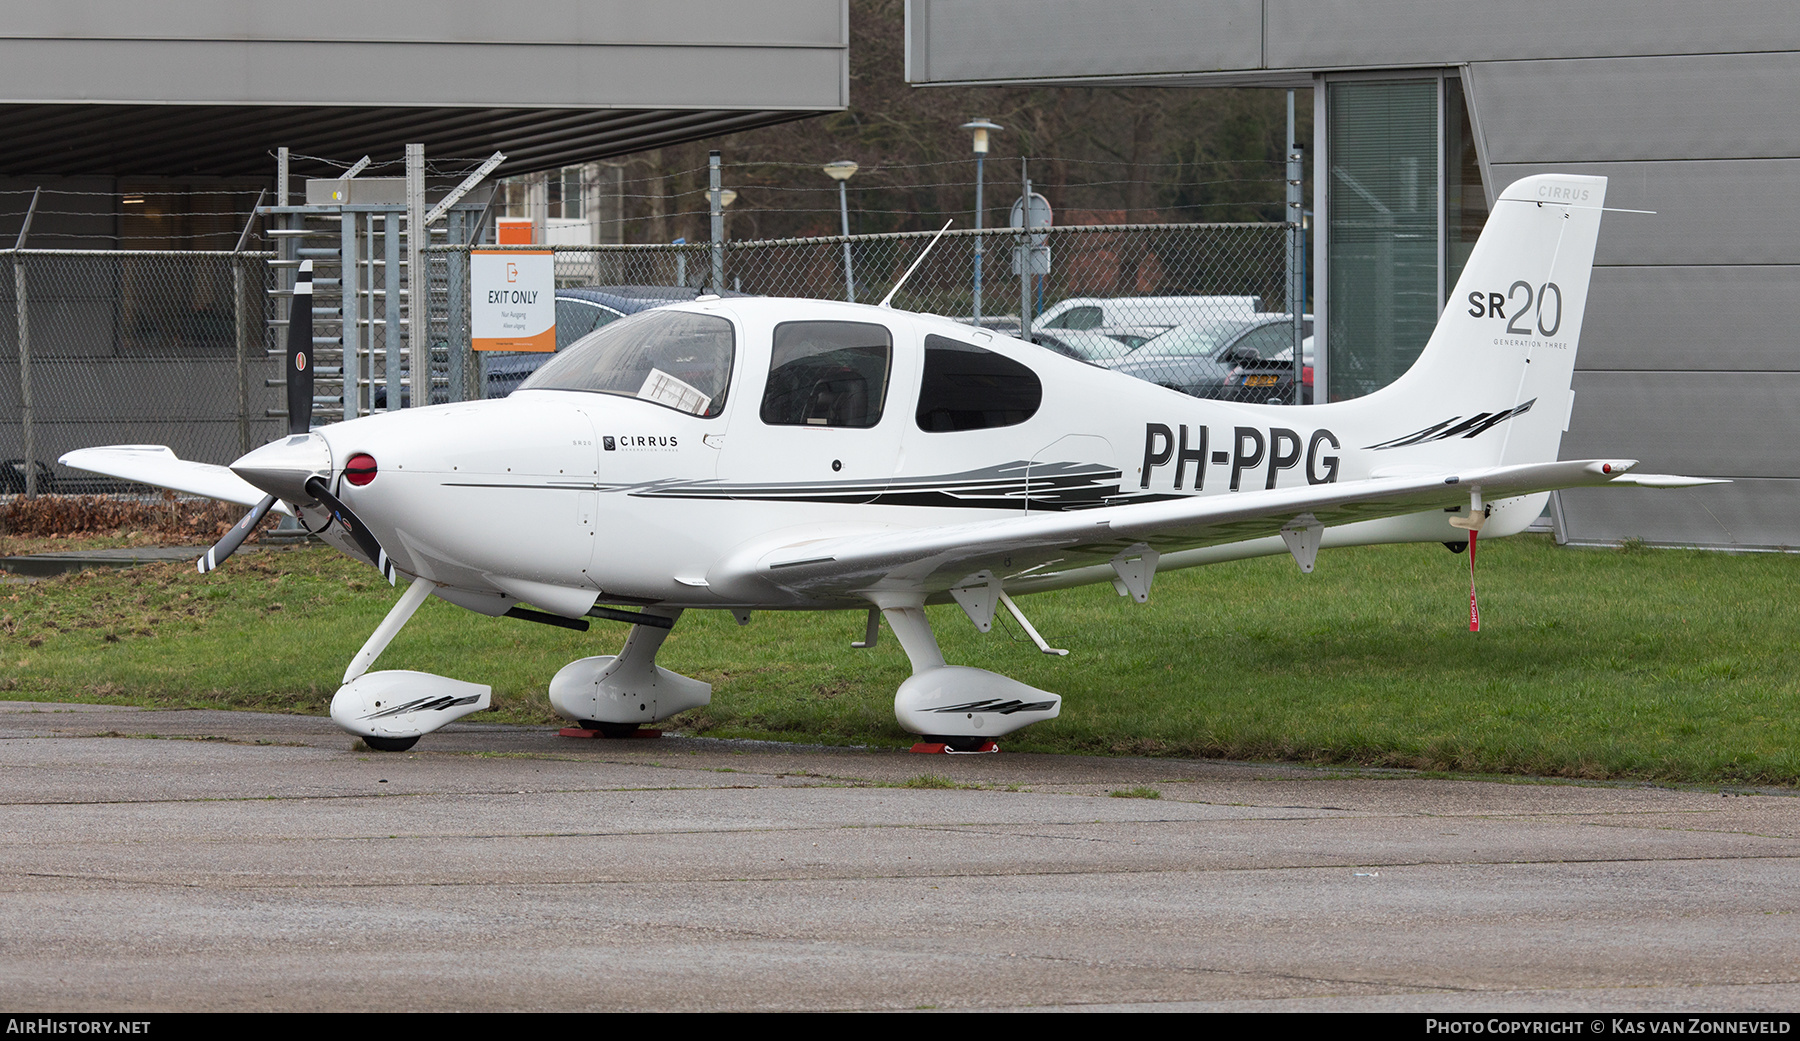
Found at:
(208, 86)
(769, 54)
(1691, 352)
(96, 95)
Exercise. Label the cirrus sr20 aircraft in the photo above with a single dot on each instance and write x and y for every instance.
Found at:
(775, 454)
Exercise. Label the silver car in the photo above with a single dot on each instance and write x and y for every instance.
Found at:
(1201, 359)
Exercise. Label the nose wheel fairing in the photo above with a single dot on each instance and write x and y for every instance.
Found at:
(400, 704)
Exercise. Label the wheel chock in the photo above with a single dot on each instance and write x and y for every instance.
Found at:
(641, 732)
(941, 748)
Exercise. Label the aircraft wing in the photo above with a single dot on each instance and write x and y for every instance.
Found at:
(157, 465)
(932, 560)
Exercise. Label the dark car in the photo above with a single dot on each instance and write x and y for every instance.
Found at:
(1211, 359)
(1272, 379)
(579, 311)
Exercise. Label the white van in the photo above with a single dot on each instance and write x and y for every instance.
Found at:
(1094, 312)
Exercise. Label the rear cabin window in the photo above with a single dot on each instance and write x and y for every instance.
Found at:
(828, 374)
(969, 388)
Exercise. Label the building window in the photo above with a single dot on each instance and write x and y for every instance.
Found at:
(1404, 205)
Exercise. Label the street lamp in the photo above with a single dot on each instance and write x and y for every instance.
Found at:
(840, 172)
(980, 126)
(726, 198)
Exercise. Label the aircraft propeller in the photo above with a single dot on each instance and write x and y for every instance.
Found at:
(358, 531)
(300, 404)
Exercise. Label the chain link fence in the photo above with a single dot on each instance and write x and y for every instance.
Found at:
(123, 346)
(1201, 308)
(183, 349)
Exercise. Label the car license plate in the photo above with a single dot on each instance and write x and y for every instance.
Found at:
(1260, 381)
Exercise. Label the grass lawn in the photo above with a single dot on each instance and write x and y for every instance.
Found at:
(1653, 664)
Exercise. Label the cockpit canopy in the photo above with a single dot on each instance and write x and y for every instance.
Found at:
(677, 359)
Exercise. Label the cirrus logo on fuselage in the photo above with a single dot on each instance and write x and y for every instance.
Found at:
(1251, 447)
(639, 443)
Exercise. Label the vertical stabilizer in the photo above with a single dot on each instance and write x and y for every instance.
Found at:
(1492, 385)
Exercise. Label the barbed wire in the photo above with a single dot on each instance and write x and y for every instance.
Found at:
(1000, 184)
(125, 193)
(998, 159)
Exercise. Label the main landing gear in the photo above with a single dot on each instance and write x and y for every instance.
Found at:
(615, 694)
(961, 708)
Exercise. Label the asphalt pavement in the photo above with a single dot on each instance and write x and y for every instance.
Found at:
(174, 861)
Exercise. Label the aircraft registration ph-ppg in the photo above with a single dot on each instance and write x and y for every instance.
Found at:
(753, 454)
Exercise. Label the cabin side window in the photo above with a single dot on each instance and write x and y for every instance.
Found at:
(969, 388)
(828, 374)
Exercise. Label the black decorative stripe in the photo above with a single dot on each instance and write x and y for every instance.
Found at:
(1016, 485)
(1476, 425)
(423, 705)
(1005, 708)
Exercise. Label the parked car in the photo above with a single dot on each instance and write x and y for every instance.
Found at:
(1272, 379)
(1202, 359)
(12, 477)
(579, 311)
(1098, 346)
(1162, 312)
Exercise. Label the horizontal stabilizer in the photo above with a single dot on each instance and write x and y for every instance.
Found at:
(1667, 481)
(159, 466)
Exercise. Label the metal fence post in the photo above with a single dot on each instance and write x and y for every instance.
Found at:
(418, 280)
(241, 326)
(241, 331)
(24, 316)
(718, 223)
(463, 365)
(1023, 255)
(390, 290)
(1296, 289)
(347, 313)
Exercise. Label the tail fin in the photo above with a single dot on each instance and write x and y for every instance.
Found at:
(1492, 385)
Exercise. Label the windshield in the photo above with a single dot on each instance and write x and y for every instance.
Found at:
(1193, 340)
(675, 359)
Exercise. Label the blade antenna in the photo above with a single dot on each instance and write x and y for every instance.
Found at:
(915, 264)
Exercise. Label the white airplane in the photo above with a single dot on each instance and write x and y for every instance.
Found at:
(773, 454)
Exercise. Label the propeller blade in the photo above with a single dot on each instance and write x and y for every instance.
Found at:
(234, 538)
(354, 527)
(300, 353)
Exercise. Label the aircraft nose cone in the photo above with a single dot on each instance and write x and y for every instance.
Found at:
(282, 467)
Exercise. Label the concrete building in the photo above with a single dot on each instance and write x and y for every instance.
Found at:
(155, 126)
(1690, 358)
(109, 95)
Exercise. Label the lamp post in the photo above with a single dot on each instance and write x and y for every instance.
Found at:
(979, 126)
(840, 172)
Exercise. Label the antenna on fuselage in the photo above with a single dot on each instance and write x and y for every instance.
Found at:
(915, 264)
